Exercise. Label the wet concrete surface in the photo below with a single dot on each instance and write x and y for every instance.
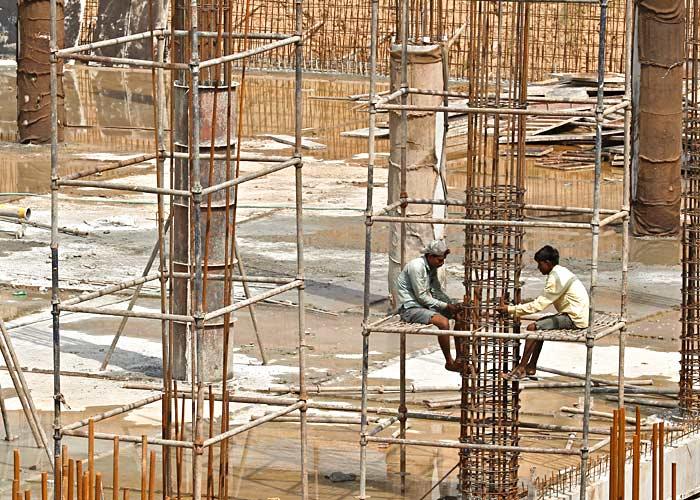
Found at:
(110, 111)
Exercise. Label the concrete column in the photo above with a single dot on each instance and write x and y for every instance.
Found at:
(215, 264)
(658, 109)
(33, 71)
(424, 145)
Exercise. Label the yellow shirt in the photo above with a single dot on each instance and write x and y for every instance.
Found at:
(565, 292)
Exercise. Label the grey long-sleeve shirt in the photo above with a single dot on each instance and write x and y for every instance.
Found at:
(418, 286)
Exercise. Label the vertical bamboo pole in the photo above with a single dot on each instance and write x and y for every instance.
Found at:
(98, 486)
(126, 494)
(152, 477)
(635, 467)
(79, 480)
(210, 454)
(70, 480)
(614, 442)
(621, 422)
(115, 470)
(368, 242)
(91, 459)
(661, 460)
(16, 472)
(27, 495)
(673, 481)
(44, 486)
(64, 471)
(654, 461)
(637, 422)
(55, 300)
(595, 238)
(144, 466)
(86, 485)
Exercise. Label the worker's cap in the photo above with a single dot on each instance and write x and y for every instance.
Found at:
(436, 247)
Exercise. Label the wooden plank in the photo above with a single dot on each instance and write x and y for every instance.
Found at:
(379, 133)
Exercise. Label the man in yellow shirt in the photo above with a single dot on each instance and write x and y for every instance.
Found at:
(565, 292)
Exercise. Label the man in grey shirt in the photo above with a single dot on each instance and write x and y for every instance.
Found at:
(422, 298)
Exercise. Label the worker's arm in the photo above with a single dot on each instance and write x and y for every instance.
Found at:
(420, 284)
(552, 291)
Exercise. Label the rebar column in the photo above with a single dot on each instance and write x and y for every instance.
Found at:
(33, 71)
(422, 143)
(656, 196)
(492, 262)
(217, 118)
(689, 386)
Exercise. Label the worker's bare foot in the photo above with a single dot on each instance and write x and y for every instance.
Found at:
(531, 371)
(453, 366)
(518, 373)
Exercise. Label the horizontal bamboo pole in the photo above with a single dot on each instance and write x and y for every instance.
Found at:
(126, 61)
(616, 107)
(108, 43)
(251, 52)
(530, 99)
(594, 413)
(243, 428)
(487, 110)
(473, 446)
(131, 439)
(380, 389)
(222, 157)
(535, 335)
(483, 222)
(252, 300)
(637, 383)
(255, 175)
(41, 225)
(15, 212)
(84, 297)
(609, 220)
(109, 166)
(387, 422)
(129, 314)
(238, 278)
(112, 413)
(234, 35)
(119, 186)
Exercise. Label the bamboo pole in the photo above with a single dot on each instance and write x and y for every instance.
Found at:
(65, 457)
(152, 476)
(614, 443)
(635, 466)
(660, 437)
(673, 481)
(70, 480)
(44, 486)
(621, 454)
(115, 470)
(86, 485)
(144, 466)
(98, 486)
(79, 480)
(91, 459)
(654, 461)
(16, 472)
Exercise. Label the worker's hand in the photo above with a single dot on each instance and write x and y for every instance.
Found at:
(453, 309)
(502, 307)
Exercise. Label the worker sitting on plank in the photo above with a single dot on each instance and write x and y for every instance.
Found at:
(565, 292)
(422, 298)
